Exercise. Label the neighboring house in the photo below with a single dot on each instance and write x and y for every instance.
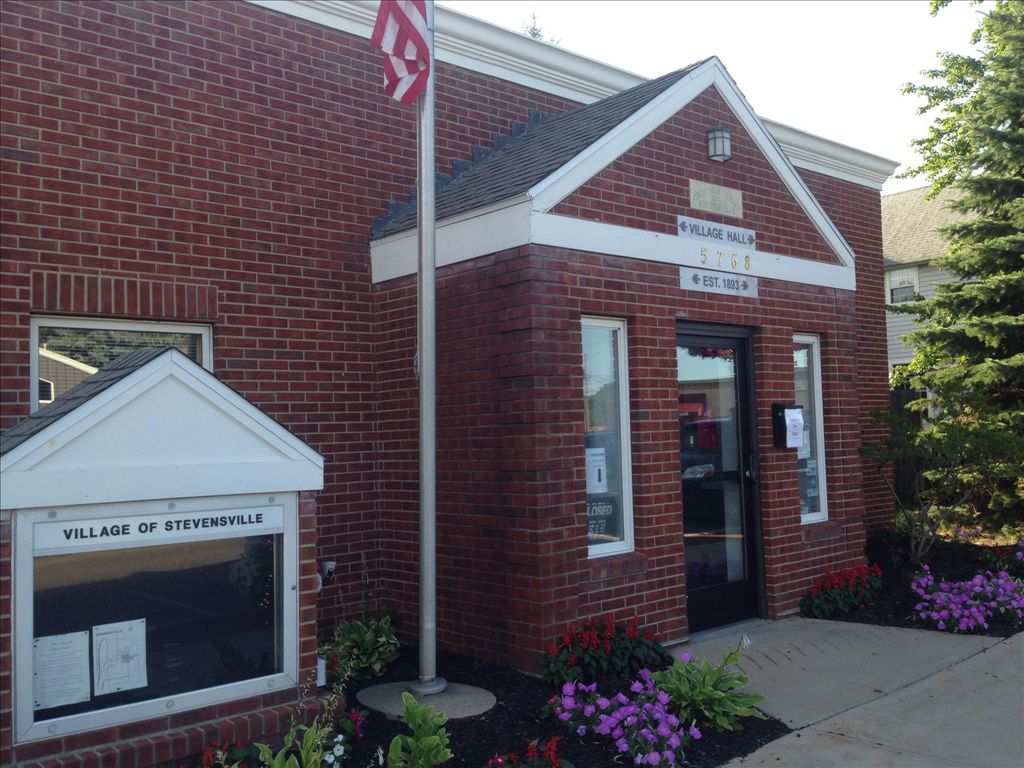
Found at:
(58, 373)
(910, 242)
(622, 302)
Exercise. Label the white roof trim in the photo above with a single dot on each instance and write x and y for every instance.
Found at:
(62, 464)
(482, 47)
(479, 46)
(70, 362)
(457, 241)
(627, 134)
(468, 237)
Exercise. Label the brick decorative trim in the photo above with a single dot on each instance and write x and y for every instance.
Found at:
(87, 294)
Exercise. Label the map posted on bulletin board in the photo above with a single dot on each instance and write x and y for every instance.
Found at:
(119, 656)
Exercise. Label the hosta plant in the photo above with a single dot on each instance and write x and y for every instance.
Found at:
(709, 693)
(360, 648)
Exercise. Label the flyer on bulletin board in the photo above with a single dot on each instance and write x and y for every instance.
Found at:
(60, 670)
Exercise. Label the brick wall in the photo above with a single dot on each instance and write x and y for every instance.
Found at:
(216, 162)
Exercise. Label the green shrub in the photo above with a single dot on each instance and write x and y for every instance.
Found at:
(428, 745)
(360, 648)
(708, 693)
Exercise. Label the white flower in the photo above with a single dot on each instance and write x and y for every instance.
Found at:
(339, 750)
(329, 759)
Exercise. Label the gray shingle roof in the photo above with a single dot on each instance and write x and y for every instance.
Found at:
(909, 224)
(522, 162)
(113, 372)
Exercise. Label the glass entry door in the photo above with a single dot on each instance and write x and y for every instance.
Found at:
(718, 468)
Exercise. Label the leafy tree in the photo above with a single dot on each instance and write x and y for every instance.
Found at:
(969, 352)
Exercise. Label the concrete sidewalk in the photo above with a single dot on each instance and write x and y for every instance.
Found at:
(859, 696)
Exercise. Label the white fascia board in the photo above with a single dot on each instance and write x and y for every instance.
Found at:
(626, 135)
(458, 238)
(28, 483)
(468, 239)
(479, 46)
(580, 169)
(831, 158)
(597, 237)
(61, 488)
(782, 165)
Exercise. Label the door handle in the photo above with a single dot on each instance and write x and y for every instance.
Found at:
(751, 471)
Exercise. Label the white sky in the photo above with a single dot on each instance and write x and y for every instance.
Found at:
(832, 68)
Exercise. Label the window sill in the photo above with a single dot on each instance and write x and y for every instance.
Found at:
(616, 566)
(821, 530)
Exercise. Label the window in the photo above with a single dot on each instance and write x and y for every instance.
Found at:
(130, 611)
(70, 350)
(902, 285)
(811, 453)
(606, 437)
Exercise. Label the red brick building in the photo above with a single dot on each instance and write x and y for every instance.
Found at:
(618, 313)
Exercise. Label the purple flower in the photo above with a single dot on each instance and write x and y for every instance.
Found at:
(581, 730)
(568, 689)
(653, 758)
(695, 733)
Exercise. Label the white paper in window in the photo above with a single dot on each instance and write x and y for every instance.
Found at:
(794, 427)
(119, 656)
(804, 450)
(597, 470)
(60, 670)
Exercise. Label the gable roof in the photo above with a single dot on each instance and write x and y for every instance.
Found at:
(517, 211)
(79, 394)
(910, 225)
(151, 424)
(540, 151)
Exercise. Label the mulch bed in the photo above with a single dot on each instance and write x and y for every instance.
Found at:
(894, 606)
(516, 719)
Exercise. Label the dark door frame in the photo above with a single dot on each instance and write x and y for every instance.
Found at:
(750, 460)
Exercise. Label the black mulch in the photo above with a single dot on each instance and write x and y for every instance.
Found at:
(516, 720)
(894, 606)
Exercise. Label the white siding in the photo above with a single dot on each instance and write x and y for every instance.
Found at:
(898, 325)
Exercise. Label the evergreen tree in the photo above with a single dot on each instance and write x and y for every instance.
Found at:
(970, 351)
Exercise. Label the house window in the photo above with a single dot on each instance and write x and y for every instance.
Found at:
(902, 285)
(606, 437)
(131, 611)
(70, 350)
(811, 453)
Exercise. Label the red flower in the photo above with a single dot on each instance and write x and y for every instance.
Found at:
(531, 750)
(207, 757)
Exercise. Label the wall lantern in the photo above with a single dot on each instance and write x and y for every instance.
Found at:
(719, 144)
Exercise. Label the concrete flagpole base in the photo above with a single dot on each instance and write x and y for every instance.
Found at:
(457, 701)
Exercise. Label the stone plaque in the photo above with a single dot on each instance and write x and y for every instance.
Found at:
(716, 199)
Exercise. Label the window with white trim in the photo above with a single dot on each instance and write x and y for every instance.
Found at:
(69, 350)
(130, 611)
(902, 284)
(811, 453)
(607, 454)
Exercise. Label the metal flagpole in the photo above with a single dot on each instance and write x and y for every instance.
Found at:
(428, 682)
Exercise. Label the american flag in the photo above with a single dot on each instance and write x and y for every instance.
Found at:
(401, 32)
